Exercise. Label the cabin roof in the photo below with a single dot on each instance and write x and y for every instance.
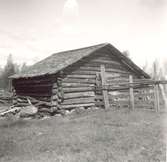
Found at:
(61, 60)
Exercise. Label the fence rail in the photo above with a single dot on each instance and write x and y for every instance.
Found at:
(138, 92)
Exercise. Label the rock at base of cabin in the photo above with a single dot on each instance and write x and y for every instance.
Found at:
(28, 111)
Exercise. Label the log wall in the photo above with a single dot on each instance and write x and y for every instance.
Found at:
(80, 80)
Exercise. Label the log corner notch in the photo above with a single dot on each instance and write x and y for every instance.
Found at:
(104, 91)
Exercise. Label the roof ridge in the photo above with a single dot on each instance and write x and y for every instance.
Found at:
(101, 44)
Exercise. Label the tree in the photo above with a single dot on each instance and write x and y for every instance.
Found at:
(9, 70)
(23, 67)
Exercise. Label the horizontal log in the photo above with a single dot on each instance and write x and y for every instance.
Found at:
(78, 89)
(113, 75)
(144, 106)
(119, 96)
(126, 102)
(78, 95)
(34, 99)
(117, 80)
(144, 95)
(105, 61)
(104, 57)
(73, 85)
(35, 95)
(79, 101)
(82, 72)
(107, 70)
(99, 97)
(107, 66)
(77, 105)
(85, 81)
(77, 76)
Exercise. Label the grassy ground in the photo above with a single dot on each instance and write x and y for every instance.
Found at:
(99, 136)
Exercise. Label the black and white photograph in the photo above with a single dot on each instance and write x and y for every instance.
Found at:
(83, 80)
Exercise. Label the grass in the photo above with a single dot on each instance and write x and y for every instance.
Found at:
(98, 136)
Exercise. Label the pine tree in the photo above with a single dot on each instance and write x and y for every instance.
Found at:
(9, 70)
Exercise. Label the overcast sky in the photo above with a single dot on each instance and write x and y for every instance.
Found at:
(34, 29)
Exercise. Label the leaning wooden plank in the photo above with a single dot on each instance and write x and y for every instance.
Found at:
(77, 105)
(78, 89)
(79, 101)
(78, 95)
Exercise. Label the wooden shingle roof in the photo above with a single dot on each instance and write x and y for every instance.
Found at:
(61, 60)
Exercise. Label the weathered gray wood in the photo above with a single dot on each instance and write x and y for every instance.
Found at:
(85, 81)
(78, 95)
(107, 70)
(108, 66)
(35, 94)
(99, 97)
(105, 92)
(82, 72)
(79, 101)
(74, 85)
(132, 105)
(156, 97)
(77, 105)
(78, 89)
(77, 76)
(105, 61)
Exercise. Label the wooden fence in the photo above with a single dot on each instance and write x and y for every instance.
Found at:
(130, 92)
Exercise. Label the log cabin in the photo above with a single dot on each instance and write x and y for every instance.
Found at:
(68, 80)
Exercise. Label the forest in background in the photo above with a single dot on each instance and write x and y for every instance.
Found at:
(9, 69)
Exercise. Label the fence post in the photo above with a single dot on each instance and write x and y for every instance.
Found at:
(131, 93)
(156, 97)
(104, 91)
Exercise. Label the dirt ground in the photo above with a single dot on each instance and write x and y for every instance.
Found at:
(90, 136)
